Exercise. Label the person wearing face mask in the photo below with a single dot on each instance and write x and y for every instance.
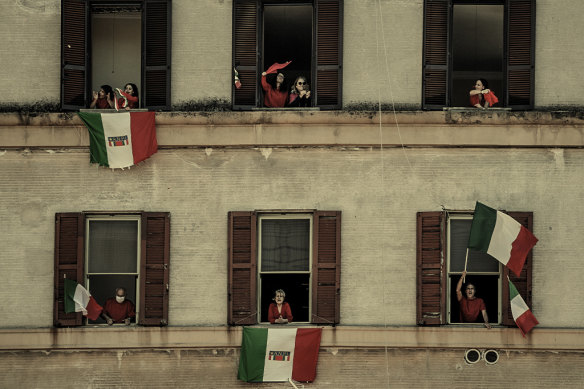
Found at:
(118, 309)
(470, 305)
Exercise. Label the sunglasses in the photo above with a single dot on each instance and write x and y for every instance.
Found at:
(301, 83)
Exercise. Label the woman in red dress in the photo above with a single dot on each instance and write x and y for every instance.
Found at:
(279, 312)
(481, 96)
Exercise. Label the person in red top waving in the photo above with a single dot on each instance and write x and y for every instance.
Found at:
(470, 306)
(119, 310)
(279, 312)
(481, 96)
(128, 97)
(275, 95)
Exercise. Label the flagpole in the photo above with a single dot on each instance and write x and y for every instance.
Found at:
(465, 262)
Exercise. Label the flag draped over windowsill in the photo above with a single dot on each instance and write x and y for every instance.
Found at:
(522, 315)
(120, 140)
(279, 354)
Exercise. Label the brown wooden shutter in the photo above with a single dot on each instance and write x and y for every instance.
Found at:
(74, 74)
(156, 46)
(326, 267)
(523, 282)
(245, 52)
(242, 268)
(329, 53)
(520, 53)
(69, 260)
(430, 289)
(436, 54)
(154, 263)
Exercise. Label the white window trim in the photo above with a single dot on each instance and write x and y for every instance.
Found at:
(136, 218)
(259, 260)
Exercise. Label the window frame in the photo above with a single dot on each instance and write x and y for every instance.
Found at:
(519, 63)
(292, 216)
(76, 61)
(450, 273)
(431, 274)
(242, 291)
(69, 262)
(87, 274)
(327, 52)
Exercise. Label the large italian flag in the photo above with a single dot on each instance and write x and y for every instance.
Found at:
(78, 299)
(500, 236)
(120, 140)
(520, 311)
(279, 354)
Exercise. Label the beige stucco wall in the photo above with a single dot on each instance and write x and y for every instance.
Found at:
(382, 51)
(378, 190)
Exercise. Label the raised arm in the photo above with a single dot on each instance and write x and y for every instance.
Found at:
(459, 286)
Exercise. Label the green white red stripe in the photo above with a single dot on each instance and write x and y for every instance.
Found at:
(500, 236)
(120, 140)
(279, 354)
(78, 299)
(520, 311)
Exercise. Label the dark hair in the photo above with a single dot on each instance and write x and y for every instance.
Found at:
(484, 82)
(134, 88)
(272, 80)
(108, 91)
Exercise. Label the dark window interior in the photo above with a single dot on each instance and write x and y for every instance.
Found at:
(104, 286)
(287, 36)
(487, 288)
(296, 287)
(116, 46)
(477, 50)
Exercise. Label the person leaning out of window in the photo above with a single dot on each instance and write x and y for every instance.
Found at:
(118, 309)
(275, 94)
(300, 93)
(128, 97)
(481, 96)
(104, 99)
(470, 305)
(279, 312)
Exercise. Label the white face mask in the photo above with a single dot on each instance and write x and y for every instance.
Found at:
(120, 299)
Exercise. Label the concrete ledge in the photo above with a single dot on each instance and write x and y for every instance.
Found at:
(459, 337)
(470, 128)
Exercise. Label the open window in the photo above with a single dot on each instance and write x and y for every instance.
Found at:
(298, 252)
(105, 251)
(441, 241)
(309, 33)
(467, 40)
(115, 43)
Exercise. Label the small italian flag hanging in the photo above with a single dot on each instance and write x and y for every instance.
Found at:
(120, 140)
(279, 354)
(500, 236)
(78, 299)
(521, 312)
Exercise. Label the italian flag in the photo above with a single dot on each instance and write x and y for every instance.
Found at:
(521, 312)
(119, 140)
(78, 299)
(500, 236)
(279, 354)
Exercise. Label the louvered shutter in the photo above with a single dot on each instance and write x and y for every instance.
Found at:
(329, 53)
(430, 290)
(523, 282)
(156, 46)
(436, 54)
(74, 25)
(154, 263)
(520, 53)
(326, 267)
(69, 260)
(245, 52)
(242, 268)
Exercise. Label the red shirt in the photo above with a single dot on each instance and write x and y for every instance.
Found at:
(118, 312)
(102, 104)
(132, 100)
(470, 309)
(273, 98)
(273, 313)
(489, 97)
